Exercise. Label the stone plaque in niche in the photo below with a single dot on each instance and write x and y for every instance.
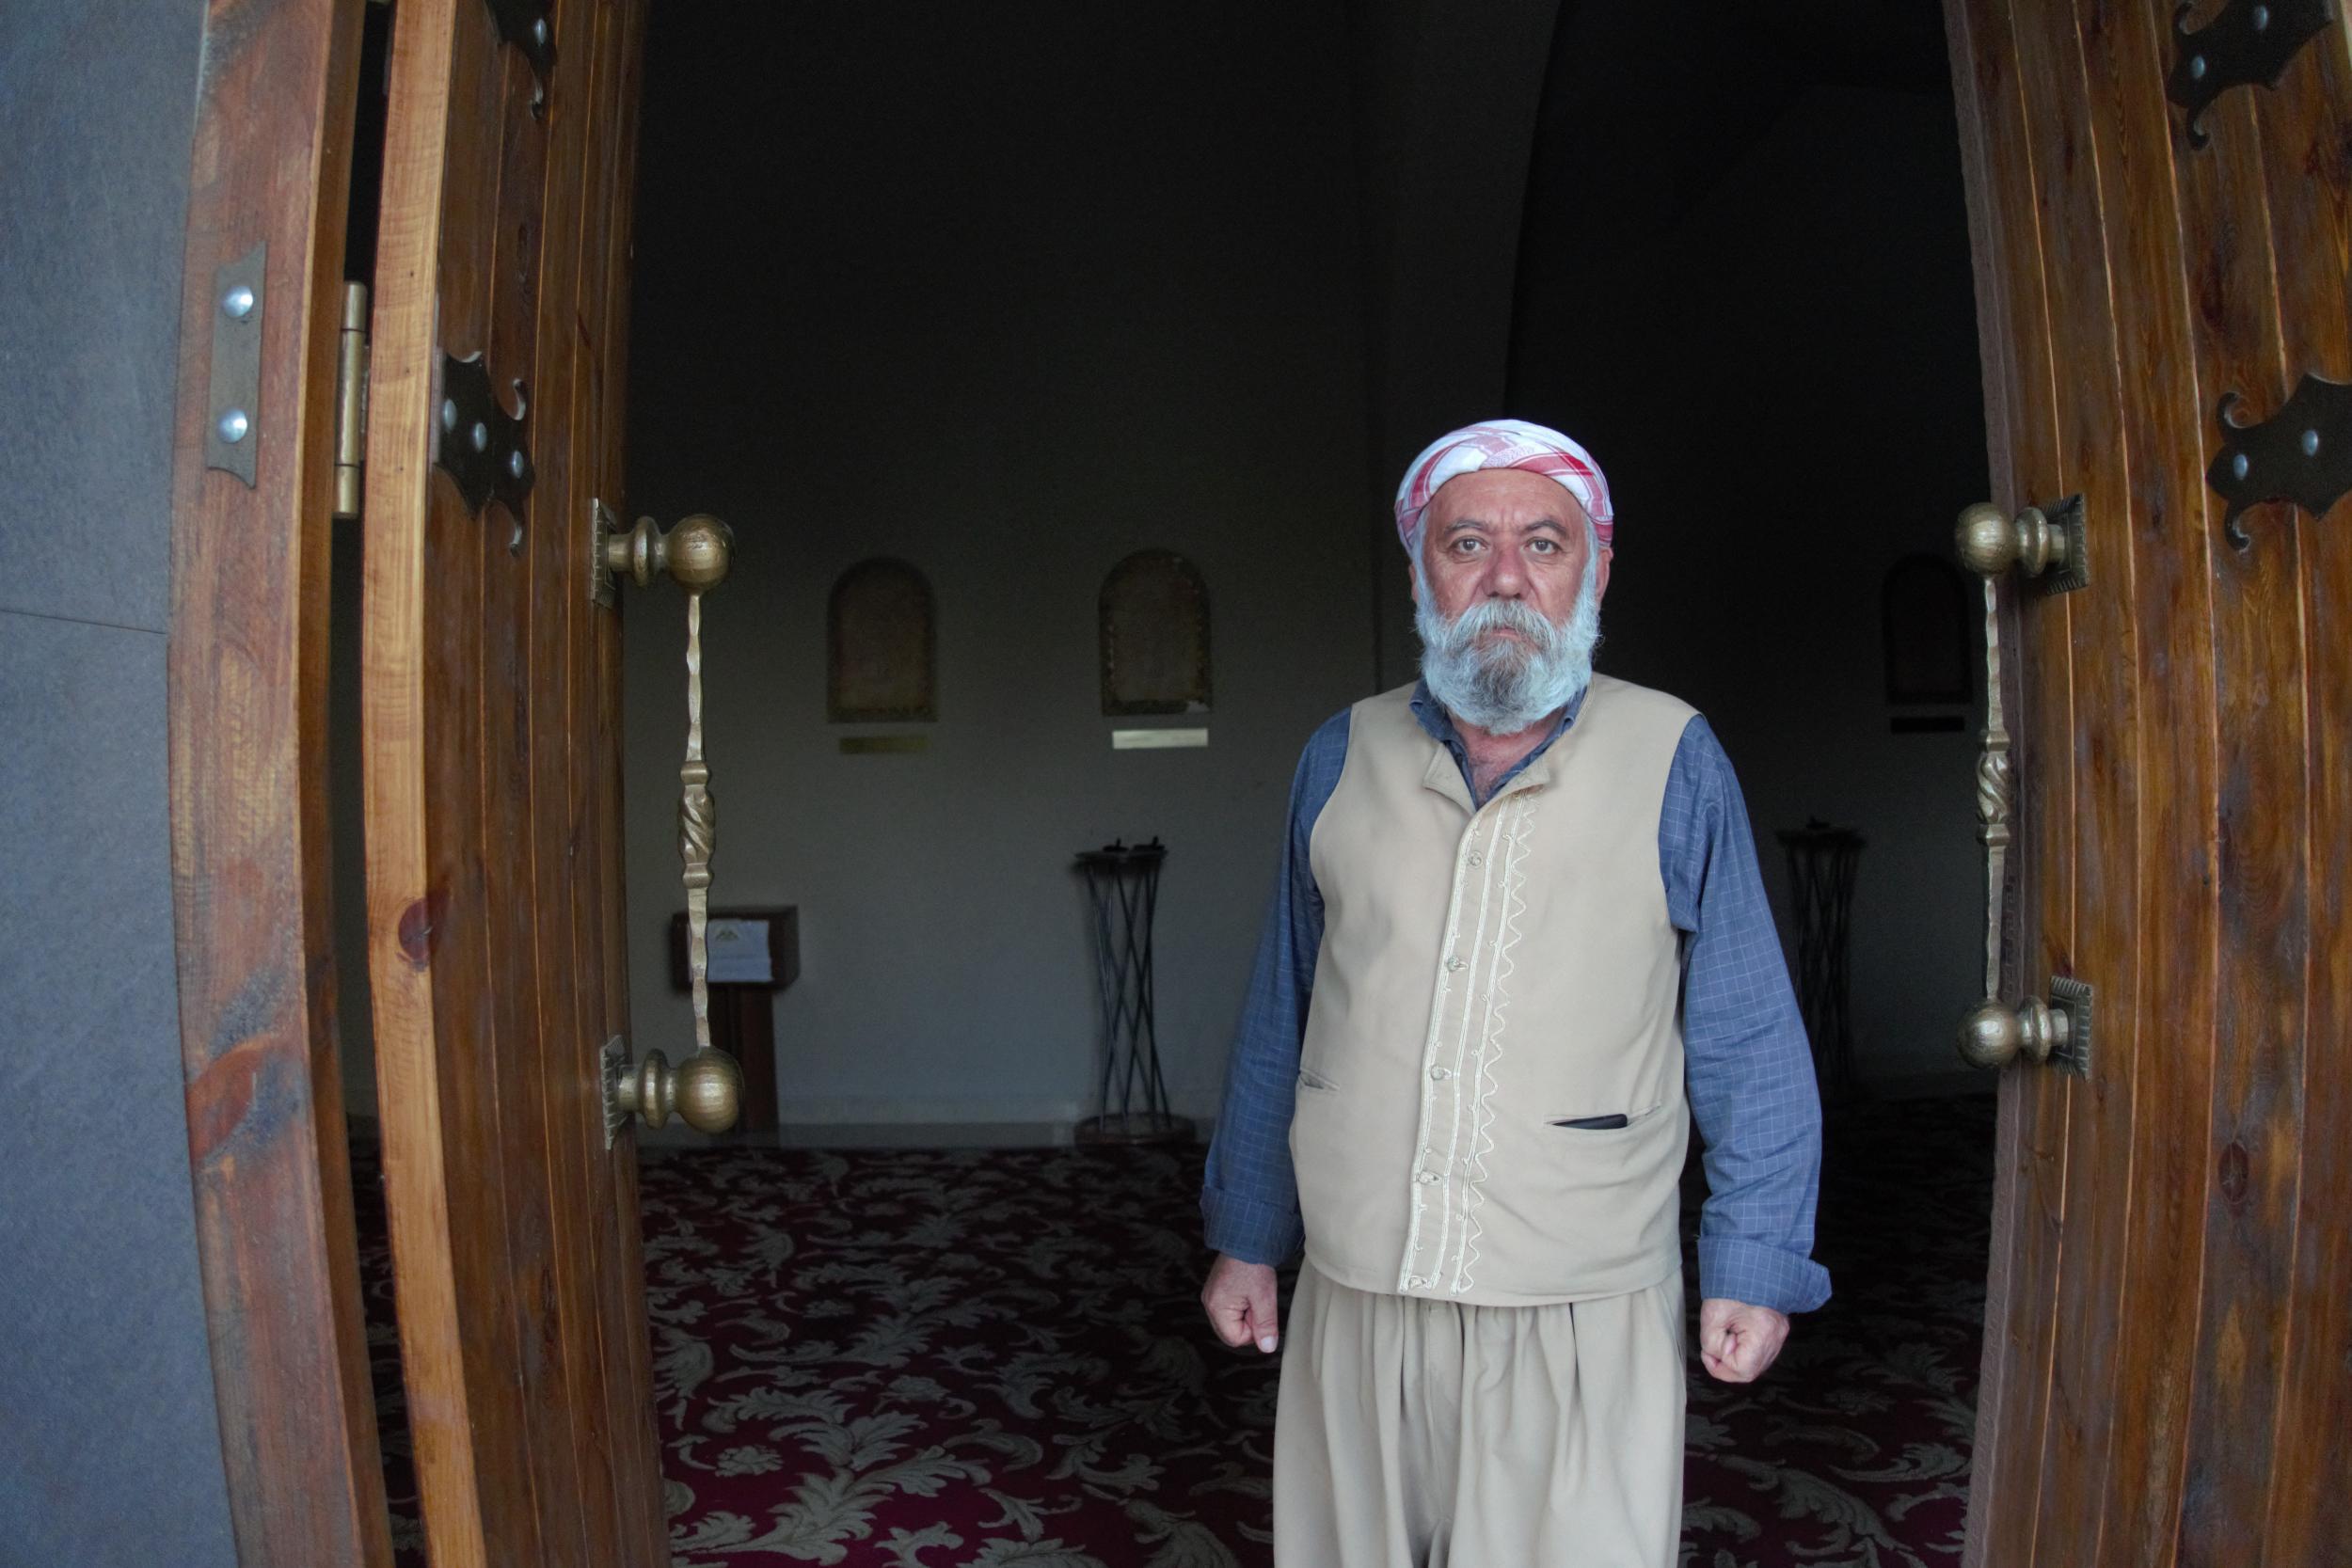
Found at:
(1154, 621)
(881, 645)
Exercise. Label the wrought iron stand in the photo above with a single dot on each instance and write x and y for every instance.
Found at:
(1124, 882)
(1822, 862)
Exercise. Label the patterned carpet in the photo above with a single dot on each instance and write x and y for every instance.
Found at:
(925, 1359)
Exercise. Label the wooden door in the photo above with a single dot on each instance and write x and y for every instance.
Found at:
(492, 782)
(2166, 1376)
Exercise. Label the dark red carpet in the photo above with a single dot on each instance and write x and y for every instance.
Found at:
(963, 1359)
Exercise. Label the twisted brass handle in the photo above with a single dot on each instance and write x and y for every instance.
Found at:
(2048, 547)
(706, 1088)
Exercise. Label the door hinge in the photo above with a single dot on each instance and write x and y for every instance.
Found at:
(351, 403)
(233, 428)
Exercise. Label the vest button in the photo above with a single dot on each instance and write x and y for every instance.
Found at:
(1439, 1074)
(1453, 963)
(1477, 858)
(1414, 1281)
(1429, 1179)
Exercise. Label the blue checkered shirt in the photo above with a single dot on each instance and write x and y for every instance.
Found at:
(1750, 1071)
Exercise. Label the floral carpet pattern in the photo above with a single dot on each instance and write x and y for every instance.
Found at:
(966, 1359)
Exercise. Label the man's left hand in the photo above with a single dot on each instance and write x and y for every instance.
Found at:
(1738, 1341)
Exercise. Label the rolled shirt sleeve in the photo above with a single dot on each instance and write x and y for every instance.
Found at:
(1750, 1070)
(1248, 1194)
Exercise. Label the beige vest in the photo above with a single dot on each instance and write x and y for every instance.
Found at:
(1484, 974)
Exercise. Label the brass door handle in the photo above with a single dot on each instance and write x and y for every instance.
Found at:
(705, 1091)
(2044, 544)
(2046, 547)
(2056, 1032)
(694, 554)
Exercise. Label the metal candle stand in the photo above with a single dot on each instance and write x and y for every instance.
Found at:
(1822, 862)
(1124, 882)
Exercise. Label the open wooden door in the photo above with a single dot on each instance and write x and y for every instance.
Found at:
(2165, 1374)
(492, 780)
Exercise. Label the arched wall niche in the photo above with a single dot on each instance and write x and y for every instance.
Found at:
(1154, 617)
(881, 645)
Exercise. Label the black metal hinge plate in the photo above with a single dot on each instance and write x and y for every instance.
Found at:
(2248, 44)
(476, 441)
(2302, 454)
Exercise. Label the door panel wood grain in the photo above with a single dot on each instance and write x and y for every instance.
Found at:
(2164, 1335)
(2030, 1148)
(2305, 130)
(2101, 734)
(2144, 1401)
(492, 777)
(251, 866)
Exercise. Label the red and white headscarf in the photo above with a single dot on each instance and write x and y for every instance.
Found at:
(1503, 444)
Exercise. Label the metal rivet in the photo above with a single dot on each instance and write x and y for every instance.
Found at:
(515, 463)
(2238, 466)
(449, 413)
(233, 425)
(2262, 18)
(2311, 443)
(515, 541)
(238, 302)
(539, 32)
(480, 436)
(2196, 68)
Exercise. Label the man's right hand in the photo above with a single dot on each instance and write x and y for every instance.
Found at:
(1239, 1299)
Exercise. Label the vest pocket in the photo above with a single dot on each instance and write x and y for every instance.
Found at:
(1617, 1121)
(1354, 1225)
(1574, 1212)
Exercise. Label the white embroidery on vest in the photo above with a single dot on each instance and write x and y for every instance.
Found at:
(1406, 1278)
(1490, 1048)
(1489, 824)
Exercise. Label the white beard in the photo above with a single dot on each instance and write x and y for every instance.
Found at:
(1506, 686)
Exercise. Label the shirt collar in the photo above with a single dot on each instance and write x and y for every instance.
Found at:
(1439, 724)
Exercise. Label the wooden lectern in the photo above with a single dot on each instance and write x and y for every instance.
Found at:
(755, 953)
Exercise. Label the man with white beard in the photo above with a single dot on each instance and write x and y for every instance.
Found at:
(1517, 941)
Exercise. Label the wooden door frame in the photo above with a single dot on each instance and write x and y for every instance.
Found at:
(251, 872)
(250, 857)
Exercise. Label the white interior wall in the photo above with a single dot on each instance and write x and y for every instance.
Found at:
(1010, 296)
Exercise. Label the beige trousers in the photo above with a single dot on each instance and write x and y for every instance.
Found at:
(1421, 1433)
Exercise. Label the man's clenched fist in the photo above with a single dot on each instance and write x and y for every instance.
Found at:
(1738, 1341)
(1239, 1299)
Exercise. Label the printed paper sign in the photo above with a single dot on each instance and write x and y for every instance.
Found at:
(738, 953)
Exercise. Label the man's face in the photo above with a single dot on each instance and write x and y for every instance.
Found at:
(1505, 533)
(1508, 601)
